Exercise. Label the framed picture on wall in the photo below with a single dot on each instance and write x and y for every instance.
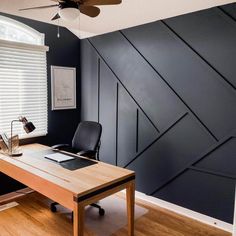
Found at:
(63, 87)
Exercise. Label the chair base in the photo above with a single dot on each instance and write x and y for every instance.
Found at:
(53, 207)
(101, 211)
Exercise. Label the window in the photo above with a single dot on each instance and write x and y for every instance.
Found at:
(12, 30)
(23, 77)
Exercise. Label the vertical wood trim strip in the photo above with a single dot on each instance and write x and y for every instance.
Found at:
(99, 78)
(137, 130)
(117, 120)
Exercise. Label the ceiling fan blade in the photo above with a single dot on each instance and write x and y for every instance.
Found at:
(101, 2)
(89, 10)
(57, 16)
(58, 1)
(42, 7)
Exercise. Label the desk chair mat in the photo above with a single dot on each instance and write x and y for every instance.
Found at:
(75, 164)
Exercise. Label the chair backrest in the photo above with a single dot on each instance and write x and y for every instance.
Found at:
(87, 136)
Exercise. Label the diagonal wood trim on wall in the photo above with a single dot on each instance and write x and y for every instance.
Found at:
(165, 95)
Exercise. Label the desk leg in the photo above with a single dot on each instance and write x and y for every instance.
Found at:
(78, 219)
(130, 197)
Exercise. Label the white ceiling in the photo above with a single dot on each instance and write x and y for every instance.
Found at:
(129, 13)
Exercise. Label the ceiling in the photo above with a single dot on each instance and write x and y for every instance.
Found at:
(129, 13)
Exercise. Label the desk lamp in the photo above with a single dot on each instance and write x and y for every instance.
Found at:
(28, 127)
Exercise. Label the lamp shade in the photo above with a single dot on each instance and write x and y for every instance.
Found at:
(69, 13)
(29, 127)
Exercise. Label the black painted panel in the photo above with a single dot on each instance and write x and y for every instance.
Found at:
(222, 160)
(89, 85)
(170, 154)
(167, 76)
(127, 116)
(230, 9)
(151, 93)
(196, 83)
(200, 30)
(147, 132)
(205, 193)
(107, 114)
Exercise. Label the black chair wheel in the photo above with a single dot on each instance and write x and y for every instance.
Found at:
(53, 208)
(101, 212)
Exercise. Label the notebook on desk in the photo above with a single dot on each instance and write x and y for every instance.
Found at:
(67, 161)
(59, 157)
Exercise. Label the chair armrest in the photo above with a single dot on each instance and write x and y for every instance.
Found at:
(87, 153)
(59, 146)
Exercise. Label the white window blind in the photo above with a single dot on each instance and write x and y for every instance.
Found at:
(23, 87)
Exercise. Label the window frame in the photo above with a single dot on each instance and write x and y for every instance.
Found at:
(39, 46)
(24, 28)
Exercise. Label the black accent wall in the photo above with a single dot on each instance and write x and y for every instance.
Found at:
(61, 124)
(165, 94)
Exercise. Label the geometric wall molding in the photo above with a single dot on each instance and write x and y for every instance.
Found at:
(165, 95)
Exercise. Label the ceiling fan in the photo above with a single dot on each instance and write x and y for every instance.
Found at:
(69, 9)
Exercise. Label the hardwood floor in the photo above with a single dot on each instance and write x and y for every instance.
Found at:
(33, 218)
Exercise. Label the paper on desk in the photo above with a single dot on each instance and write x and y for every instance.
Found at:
(59, 157)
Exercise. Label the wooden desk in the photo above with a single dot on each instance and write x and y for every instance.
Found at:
(72, 189)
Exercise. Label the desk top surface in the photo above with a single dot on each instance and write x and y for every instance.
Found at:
(79, 182)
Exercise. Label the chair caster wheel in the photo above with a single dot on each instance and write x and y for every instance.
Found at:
(53, 208)
(101, 212)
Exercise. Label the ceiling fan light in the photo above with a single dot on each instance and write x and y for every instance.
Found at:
(69, 14)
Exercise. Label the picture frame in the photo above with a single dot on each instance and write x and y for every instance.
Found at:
(63, 88)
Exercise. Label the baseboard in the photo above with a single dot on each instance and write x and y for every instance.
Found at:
(8, 206)
(149, 199)
(13, 195)
(234, 225)
(186, 212)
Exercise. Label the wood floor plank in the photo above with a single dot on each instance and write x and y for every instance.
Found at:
(32, 217)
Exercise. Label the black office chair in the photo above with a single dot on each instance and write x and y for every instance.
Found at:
(86, 142)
